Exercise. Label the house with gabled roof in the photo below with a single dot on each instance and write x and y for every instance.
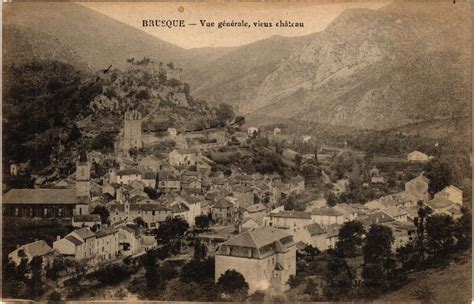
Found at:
(443, 205)
(377, 217)
(288, 220)
(255, 211)
(418, 187)
(107, 244)
(327, 216)
(312, 234)
(452, 193)
(417, 156)
(250, 223)
(399, 214)
(36, 249)
(348, 212)
(223, 211)
(265, 256)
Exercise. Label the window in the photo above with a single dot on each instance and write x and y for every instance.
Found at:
(153, 213)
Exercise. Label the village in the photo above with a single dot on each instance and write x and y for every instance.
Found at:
(251, 223)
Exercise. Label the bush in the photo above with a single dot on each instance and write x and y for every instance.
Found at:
(113, 274)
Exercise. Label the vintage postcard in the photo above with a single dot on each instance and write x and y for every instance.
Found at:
(237, 151)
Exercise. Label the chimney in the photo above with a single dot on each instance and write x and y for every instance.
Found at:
(17, 246)
(58, 238)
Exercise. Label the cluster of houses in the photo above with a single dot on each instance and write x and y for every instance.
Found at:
(265, 252)
(183, 184)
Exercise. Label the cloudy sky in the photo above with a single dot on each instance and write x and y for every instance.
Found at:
(314, 16)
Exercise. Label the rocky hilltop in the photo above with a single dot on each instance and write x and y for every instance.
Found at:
(375, 69)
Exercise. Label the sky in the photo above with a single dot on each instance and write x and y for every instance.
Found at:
(314, 16)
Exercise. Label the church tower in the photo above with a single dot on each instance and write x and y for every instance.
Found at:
(83, 176)
(132, 130)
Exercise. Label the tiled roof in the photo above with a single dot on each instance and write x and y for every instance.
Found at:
(315, 229)
(257, 238)
(440, 202)
(106, 231)
(326, 211)
(256, 208)
(223, 204)
(148, 207)
(378, 217)
(38, 248)
(86, 218)
(187, 151)
(128, 172)
(149, 175)
(84, 233)
(395, 211)
(40, 196)
(178, 208)
(292, 214)
(74, 240)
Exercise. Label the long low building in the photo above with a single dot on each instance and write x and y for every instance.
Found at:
(44, 203)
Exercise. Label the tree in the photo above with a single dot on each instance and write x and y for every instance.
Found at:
(103, 142)
(440, 238)
(378, 244)
(378, 258)
(202, 221)
(198, 271)
(295, 280)
(350, 239)
(200, 250)
(331, 198)
(151, 269)
(462, 230)
(424, 212)
(171, 229)
(298, 160)
(439, 174)
(152, 193)
(37, 277)
(224, 113)
(139, 221)
(338, 276)
(292, 203)
(232, 281)
(103, 212)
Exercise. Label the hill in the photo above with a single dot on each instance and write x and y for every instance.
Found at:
(235, 76)
(450, 285)
(96, 39)
(375, 70)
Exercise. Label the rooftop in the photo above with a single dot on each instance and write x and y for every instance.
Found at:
(86, 218)
(256, 208)
(258, 237)
(84, 233)
(326, 211)
(38, 248)
(106, 231)
(315, 229)
(292, 214)
(40, 196)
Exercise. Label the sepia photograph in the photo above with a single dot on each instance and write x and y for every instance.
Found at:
(250, 152)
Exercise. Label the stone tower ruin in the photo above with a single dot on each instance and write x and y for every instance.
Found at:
(132, 130)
